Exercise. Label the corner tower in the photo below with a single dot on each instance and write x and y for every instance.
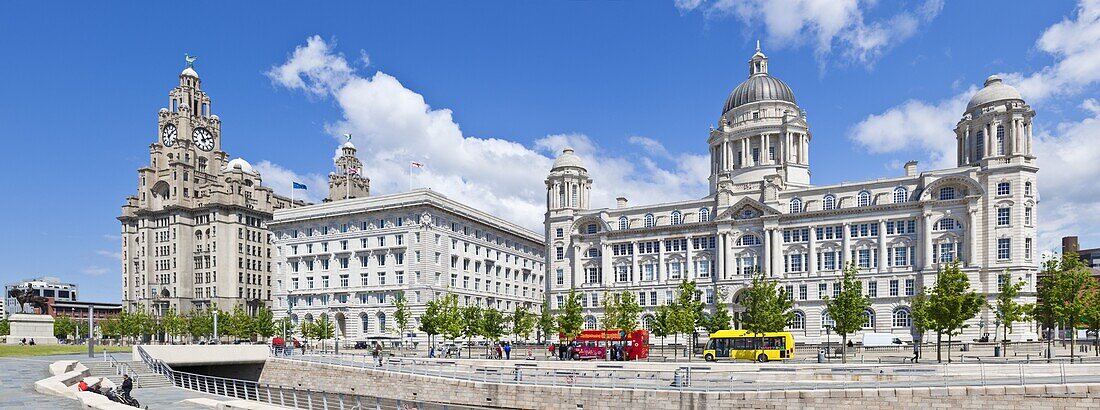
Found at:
(348, 180)
(996, 127)
(762, 132)
(567, 191)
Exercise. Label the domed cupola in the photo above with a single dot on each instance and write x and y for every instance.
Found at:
(760, 86)
(994, 90)
(568, 159)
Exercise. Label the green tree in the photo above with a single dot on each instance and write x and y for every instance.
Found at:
(546, 323)
(174, 324)
(720, 319)
(768, 308)
(430, 320)
(451, 324)
(63, 326)
(523, 323)
(1091, 315)
(628, 311)
(5, 327)
(285, 326)
(570, 321)
(610, 310)
(401, 314)
(264, 323)
(1007, 310)
(661, 322)
(687, 311)
(237, 324)
(200, 323)
(1066, 282)
(323, 329)
(949, 304)
(491, 325)
(847, 309)
(109, 327)
(471, 325)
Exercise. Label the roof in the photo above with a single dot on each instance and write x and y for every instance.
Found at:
(759, 87)
(239, 163)
(568, 159)
(994, 90)
(189, 72)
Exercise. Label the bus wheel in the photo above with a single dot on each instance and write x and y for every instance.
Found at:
(709, 357)
(763, 358)
(576, 356)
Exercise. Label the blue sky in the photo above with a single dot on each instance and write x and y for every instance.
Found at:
(634, 85)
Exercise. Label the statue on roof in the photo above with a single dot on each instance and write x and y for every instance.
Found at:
(190, 60)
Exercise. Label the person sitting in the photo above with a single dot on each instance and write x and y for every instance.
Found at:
(82, 386)
(127, 385)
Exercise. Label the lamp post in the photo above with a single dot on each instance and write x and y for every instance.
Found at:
(216, 326)
(91, 342)
(828, 341)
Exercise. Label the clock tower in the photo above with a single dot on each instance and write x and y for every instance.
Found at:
(195, 234)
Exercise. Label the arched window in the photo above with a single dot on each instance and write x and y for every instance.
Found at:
(748, 240)
(901, 195)
(868, 319)
(798, 322)
(796, 206)
(704, 214)
(946, 224)
(1000, 140)
(589, 322)
(979, 145)
(1027, 188)
(902, 318)
(647, 322)
(649, 221)
(829, 202)
(827, 321)
(381, 322)
(864, 198)
(573, 197)
(677, 218)
(947, 193)
(364, 321)
(561, 196)
(623, 223)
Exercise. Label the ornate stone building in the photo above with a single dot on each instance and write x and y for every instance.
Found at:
(347, 182)
(195, 235)
(762, 214)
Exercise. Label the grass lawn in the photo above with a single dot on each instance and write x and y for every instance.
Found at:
(46, 350)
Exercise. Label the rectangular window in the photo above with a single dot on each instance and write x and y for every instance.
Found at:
(1004, 248)
(893, 287)
(901, 256)
(1027, 216)
(864, 258)
(822, 290)
(641, 298)
(756, 155)
(872, 288)
(1003, 216)
(803, 293)
(910, 287)
(1027, 248)
(653, 298)
(560, 276)
(559, 253)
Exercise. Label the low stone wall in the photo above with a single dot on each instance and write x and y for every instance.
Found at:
(371, 382)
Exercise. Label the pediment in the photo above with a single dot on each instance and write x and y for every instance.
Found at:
(747, 208)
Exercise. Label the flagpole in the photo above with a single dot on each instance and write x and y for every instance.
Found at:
(410, 176)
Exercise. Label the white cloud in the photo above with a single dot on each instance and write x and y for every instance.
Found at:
(1068, 154)
(393, 125)
(280, 179)
(824, 24)
(109, 254)
(95, 270)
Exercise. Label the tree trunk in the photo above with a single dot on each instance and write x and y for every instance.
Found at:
(1072, 339)
(675, 341)
(843, 348)
(939, 347)
(950, 339)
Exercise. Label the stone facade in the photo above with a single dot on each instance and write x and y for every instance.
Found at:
(195, 235)
(347, 259)
(763, 215)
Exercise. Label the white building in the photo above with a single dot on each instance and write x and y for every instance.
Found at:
(763, 214)
(45, 286)
(193, 208)
(348, 258)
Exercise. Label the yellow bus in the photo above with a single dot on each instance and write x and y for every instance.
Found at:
(745, 345)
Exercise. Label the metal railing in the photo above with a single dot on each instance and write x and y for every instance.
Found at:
(283, 395)
(707, 377)
(122, 368)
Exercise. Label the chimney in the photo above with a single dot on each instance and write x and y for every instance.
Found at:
(911, 168)
(620, 202)
(1069, 244)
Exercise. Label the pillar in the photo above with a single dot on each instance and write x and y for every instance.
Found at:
(766, 256)
(812, 252)
(777, 252)
(926, 241)
(635, 273)
(882, 256)
(720, 254)
(688, 268)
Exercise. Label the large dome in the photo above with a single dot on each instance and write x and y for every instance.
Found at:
(994, 90)
(241, 164)
(759, 87)
(568, 159)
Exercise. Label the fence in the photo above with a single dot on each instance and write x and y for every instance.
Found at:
(282, 395)
(705, 377)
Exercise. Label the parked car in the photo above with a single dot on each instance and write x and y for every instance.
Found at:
(362, 345)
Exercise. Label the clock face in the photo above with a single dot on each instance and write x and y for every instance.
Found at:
(203, 139)
(168, 135)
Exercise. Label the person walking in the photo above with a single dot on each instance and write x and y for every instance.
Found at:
(507, 351)
(552, 348)
(431, 352)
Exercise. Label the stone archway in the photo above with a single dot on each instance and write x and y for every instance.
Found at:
(341, 325)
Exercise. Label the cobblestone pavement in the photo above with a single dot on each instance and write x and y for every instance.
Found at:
(18, 374)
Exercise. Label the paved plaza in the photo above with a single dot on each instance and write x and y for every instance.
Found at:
(18, 374)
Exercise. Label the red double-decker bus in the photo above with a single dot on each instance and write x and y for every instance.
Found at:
(594, 344)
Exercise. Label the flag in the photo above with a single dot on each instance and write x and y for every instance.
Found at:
(417, 164)
(353, 171)
(298, 185)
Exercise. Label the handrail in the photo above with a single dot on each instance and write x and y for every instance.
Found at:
(117, 365)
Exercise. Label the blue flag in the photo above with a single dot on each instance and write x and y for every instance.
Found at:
(299, 186)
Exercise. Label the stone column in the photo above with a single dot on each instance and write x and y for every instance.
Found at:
(731, 265)
(745, 152)
(765, 258)
(577, 265)
(926, 241)
(605, 265)
(688, 268)
(635, 273)
(812, 252)
(970, 259)
(763, 149)
(846, 245)
(661, 262)
(720, 254)
(777, 252)
(882, 256)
